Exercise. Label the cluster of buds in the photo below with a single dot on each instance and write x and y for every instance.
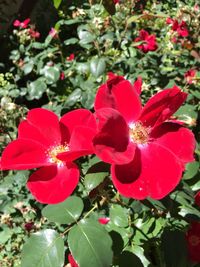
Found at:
(5, 78)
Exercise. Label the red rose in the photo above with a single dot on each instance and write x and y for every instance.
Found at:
(147, 150)
(148, 41)
(44, 141)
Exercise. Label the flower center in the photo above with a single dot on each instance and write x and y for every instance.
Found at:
(194, 240)
(138, 133)
(54, 151)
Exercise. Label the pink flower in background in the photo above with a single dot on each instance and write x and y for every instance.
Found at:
(53, 33)
(23, 24)
(116, 1)
(190, 75)
(193, 241)
(103, 220)
(49, 143)
(147, 150)
(70, 57)
(148, 41)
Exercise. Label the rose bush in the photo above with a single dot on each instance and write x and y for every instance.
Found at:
(119, 171)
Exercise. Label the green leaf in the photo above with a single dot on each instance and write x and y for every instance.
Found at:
(43, 249)
(74, 97)
(97, 66)
(191, 170)
(57, 3)
(65, 212)
(85, 35)
(28, 67)
(36, 89)
(90, 244)
(119, 215)
(70, 41)
(95, 175)
(51, 73)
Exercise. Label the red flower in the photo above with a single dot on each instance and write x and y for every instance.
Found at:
(72, 261)
(149, 41)
(33, 33)
(147, 150)
(23, 24)
(44, 141)
(197, 199)
(70, 57)
(116, 1)
(180, 28)
(193, 242)
(190, 75)
(103, 220)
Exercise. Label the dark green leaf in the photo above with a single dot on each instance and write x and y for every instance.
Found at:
(90, 244)
(191, 170)
(66, 212)
(43, 249)
(97, 66)
(119, 215)
(96, 174)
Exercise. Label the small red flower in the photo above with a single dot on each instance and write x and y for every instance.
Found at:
(193, 241)
(72, 261)
(23, 24)
(149, 41)
(190, 75)
(147, 151)
(33, 33)
(44, 141)
(197, 199)
(116, 1)
(103, 220)
(62, 76)
(70, 57)
(180, 28)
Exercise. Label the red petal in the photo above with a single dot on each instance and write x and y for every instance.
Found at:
(53, 184)
(177, 139)
(154, 173)
(80, 144)
(47, 124)
(111, 143)
(119, 94)
(138, 85)
(161, 106)
(103, 220)
(29, 131)
(23, 154)
(197, 199)
(72, 261)
(78, 117)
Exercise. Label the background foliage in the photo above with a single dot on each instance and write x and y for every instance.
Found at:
(43, 72)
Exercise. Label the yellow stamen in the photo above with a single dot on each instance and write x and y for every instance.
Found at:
(138, 133)
(54, 151)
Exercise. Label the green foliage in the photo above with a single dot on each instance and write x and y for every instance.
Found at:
(101, 36)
